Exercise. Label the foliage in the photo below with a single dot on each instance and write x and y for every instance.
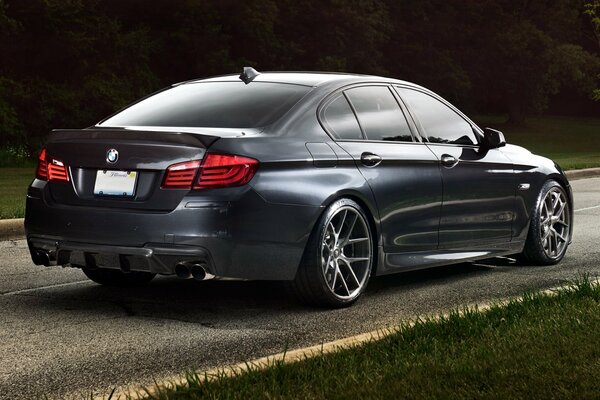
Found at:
(593, 11)
(69, 63)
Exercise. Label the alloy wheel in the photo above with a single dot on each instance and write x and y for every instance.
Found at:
(346, 253)
(554, 223)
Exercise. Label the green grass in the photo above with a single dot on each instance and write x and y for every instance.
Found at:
(541, 347)
(13, 189)
(573, 143)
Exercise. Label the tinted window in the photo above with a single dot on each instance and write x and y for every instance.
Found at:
(339, 119)
(440, 123)
(213, 104)
(379, 113)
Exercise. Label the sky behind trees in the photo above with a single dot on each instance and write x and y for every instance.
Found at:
(68, 63)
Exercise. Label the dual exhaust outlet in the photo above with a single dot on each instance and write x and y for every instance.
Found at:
(183, 270)
(196, 270)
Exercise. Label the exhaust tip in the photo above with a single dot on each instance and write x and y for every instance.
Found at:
(199, 272)
(183, 271)
(43, 257)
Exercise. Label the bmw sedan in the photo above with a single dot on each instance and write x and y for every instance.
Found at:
(319, 179)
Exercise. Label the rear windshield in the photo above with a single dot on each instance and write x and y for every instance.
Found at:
(213, 104)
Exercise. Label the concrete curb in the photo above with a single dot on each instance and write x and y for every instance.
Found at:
(582, 173)
(12, 229)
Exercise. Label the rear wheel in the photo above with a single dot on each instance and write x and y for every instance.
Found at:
(550, 227)
(338, 259)
(113, 277)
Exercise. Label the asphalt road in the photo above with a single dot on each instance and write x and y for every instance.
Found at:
(61, 335)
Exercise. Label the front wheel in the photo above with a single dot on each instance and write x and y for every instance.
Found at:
(114, 277)
(338, 259)
(550, 227)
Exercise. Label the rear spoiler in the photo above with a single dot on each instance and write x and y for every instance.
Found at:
(181, 138)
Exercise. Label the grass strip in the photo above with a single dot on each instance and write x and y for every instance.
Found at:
(543, 346)
(573, 143)
(13, 190)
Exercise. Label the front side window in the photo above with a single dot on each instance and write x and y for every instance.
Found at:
(440, 123)
(339, 119)
(379, 113)
(213, 105)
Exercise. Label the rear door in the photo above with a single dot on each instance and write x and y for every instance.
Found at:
(369, 124)
(479, 184)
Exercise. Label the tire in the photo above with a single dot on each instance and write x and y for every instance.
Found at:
(338, 258)
(550, 227)
(114, 277)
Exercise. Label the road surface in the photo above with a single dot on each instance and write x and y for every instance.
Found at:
(62, 335)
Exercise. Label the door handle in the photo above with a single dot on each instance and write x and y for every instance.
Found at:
(449, 161)
(370, 159)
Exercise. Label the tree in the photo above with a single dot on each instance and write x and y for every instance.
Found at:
(503, 55)
(11, 129)
(531, 54)
(592, 10)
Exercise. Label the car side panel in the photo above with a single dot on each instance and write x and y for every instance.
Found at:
(479, 196)
(408, 191)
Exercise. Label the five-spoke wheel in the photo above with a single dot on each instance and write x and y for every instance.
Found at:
(346, 252)
(555, 222)
(338, 260)
(550, 227)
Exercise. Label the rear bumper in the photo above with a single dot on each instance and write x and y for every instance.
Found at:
(156, 258)
(243, 237)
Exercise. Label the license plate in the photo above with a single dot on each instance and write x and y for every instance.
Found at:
(115, 183)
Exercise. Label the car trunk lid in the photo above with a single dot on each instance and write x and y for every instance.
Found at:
(145, 154)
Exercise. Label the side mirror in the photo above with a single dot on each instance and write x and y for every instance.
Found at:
(492, 139)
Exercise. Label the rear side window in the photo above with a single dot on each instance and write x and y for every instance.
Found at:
(339, 119)
(440, 123)
(379, 113)
(213, 104)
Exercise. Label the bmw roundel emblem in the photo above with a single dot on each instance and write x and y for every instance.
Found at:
(112, 156)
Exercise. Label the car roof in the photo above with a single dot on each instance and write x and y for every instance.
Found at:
(313, 79)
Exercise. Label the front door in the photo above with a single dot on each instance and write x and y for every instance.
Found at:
(478, 185)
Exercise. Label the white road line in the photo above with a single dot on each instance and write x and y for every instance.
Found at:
(44, 287)
(587, 208)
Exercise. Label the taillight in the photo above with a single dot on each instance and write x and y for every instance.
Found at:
(181, 175)
(42, 168)
(51, 169)
(57, 170)
(221, 170)
(216, 171)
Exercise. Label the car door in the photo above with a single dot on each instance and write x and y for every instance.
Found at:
(403, 174)
(478, 184)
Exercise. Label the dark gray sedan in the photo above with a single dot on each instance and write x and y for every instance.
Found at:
(322, 180)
